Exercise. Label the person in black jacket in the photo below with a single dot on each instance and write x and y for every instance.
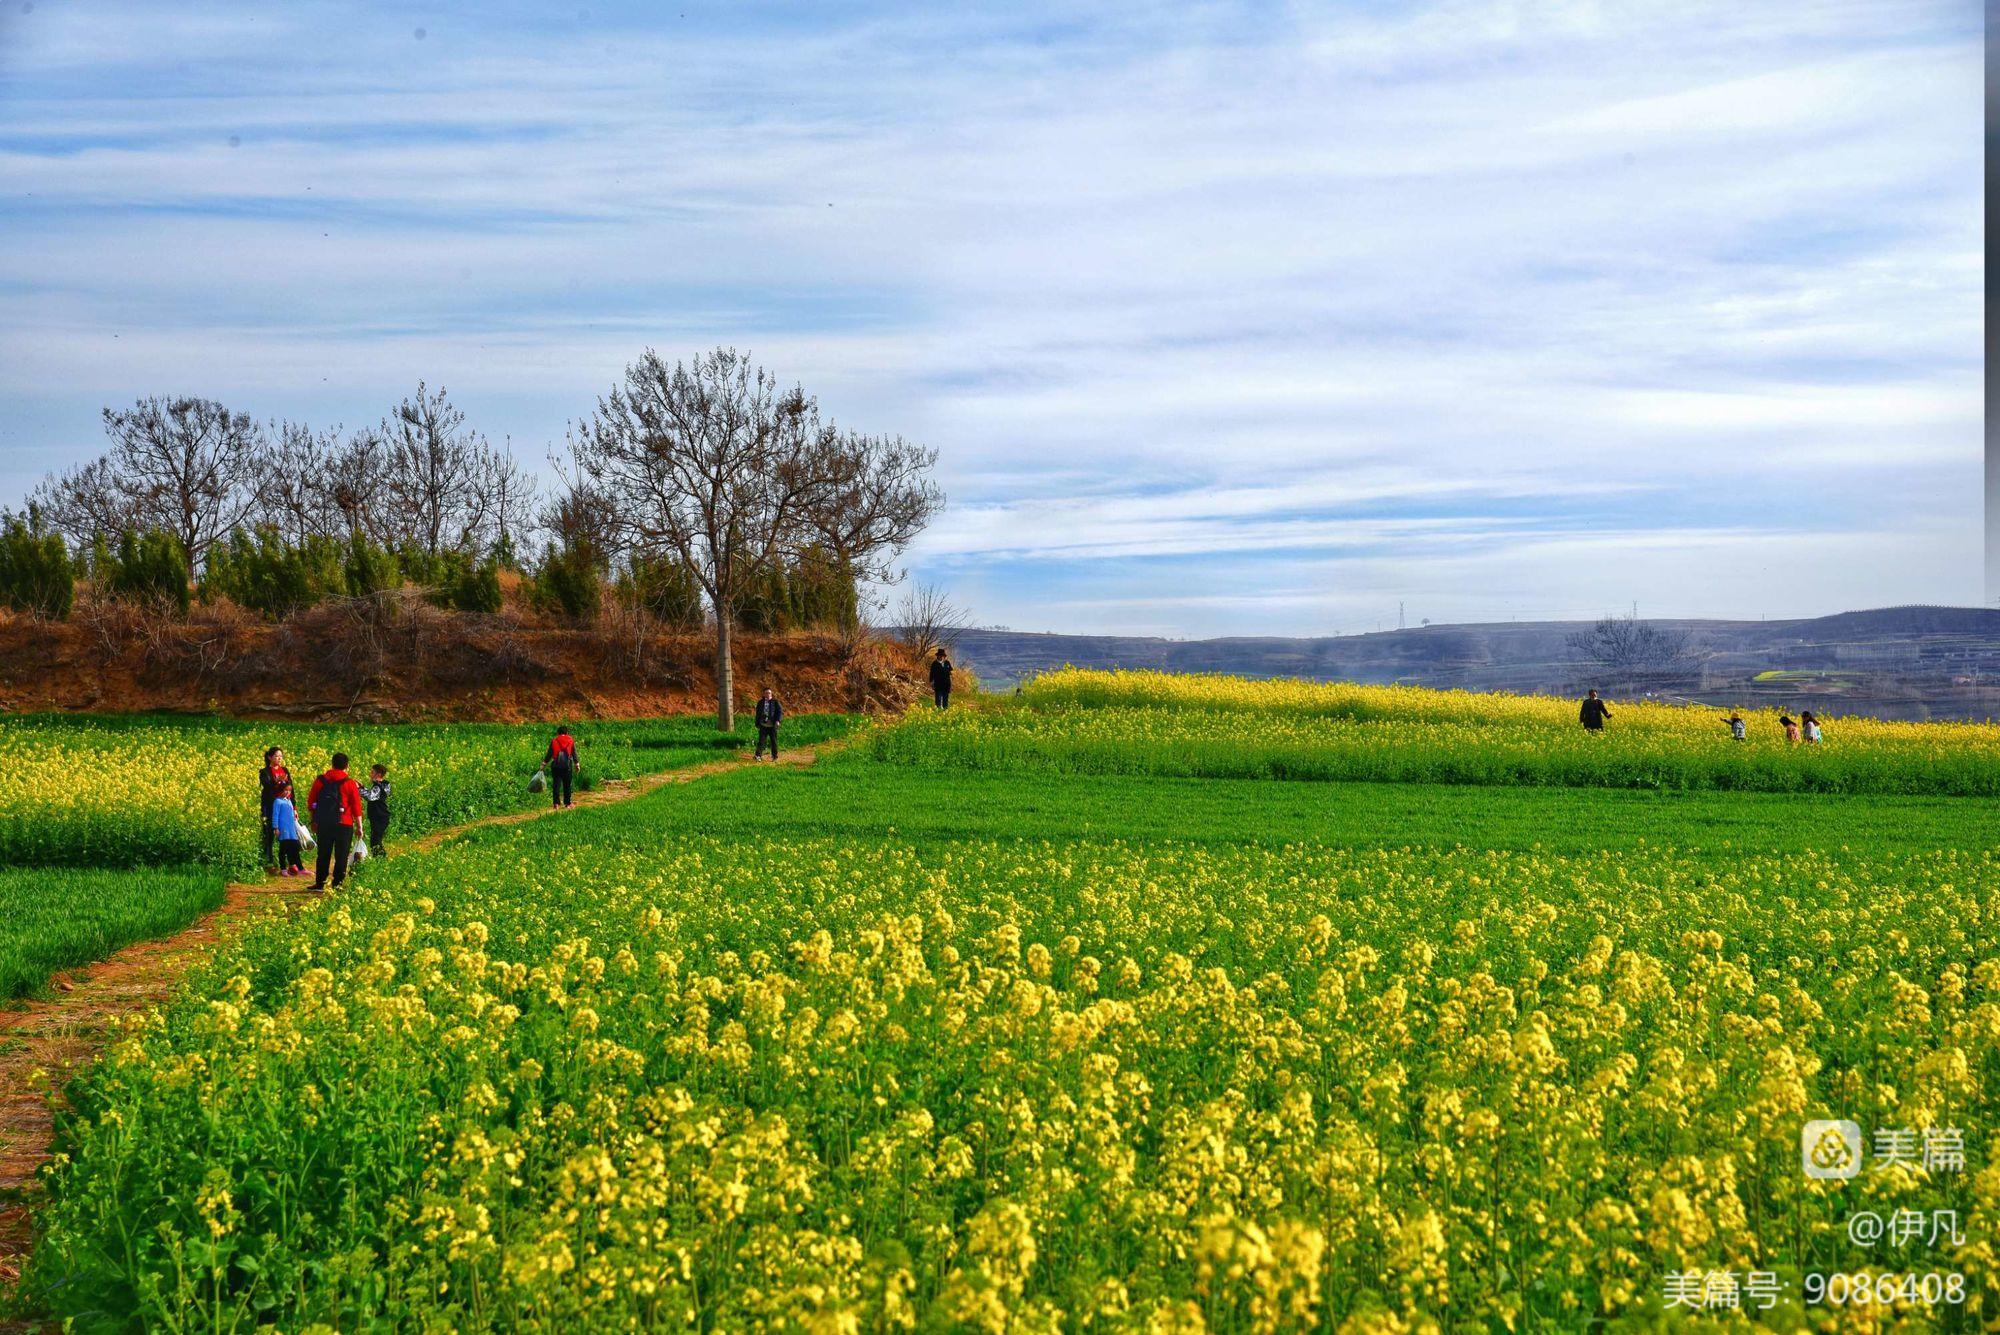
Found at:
(941, 680)
(769, 715)
(376, 798)
(271, 780)
(1594, 712)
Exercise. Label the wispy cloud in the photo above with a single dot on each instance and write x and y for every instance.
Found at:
(1191, 297)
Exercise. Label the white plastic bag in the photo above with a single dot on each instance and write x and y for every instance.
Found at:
(360, 853)
(539, 782)
(306, 839)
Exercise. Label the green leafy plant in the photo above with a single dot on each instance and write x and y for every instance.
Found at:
(569, 581)
(264, 573)
(146, 569)
(36, 572)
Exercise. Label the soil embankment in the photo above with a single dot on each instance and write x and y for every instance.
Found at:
(414, 663)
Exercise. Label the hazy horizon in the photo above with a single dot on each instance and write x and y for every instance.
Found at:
(1225, 319)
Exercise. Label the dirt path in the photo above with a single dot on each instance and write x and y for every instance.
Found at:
(55, 1035)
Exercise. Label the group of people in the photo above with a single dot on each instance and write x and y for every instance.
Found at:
(1804, 724)
(335, 806)
(1803, 728)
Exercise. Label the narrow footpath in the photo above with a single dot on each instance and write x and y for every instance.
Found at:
(43, 1041)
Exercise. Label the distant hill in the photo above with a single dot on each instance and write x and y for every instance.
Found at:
(1894, 662)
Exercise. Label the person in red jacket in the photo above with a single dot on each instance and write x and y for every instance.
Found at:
(562, 765)
(335, 804)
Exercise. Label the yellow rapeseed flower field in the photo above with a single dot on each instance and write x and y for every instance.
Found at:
(626, 1071)
(1089, 722)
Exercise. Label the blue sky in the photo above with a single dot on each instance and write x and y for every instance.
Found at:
(1226, 318)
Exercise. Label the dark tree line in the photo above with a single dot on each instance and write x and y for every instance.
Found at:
(708, 489)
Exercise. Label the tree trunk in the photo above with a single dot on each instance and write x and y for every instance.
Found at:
(725, 673)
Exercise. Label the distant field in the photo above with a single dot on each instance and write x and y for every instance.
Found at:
(892, 1043)
(1149, 723)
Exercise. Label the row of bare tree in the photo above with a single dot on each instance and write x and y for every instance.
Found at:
(193, 469)
(711, 462)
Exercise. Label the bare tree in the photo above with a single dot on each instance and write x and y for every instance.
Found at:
(185, 466)
(437, 482)
(928, 620)
(711, 461)
(512, 496)
(85, 502)
(355, 483)
(579, 516)
(294, 494)
(1625, 644)
(878, 496)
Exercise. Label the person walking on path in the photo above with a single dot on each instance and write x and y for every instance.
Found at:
(376, 795)
(285, 821)
(335, 804)
(1791, 728)
(562, 764)
(1810, 727)
(769, 715)
(1737, 728)
(1593, 713)
(941, 680)
(270, 779)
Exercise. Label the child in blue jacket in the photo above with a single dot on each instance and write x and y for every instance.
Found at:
(285, 823)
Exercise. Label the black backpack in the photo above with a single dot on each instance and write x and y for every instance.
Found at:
(326, 808)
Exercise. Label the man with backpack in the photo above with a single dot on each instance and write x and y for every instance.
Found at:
(335, 806)
(561, 763)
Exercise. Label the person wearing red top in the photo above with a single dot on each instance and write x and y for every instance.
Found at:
(335, 804)
(562, 765)
(273, 777)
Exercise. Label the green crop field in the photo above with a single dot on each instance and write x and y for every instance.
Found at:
(949, 1033)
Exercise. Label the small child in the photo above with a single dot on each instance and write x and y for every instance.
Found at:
(285, 824)
(1737, 728)
(376, 795)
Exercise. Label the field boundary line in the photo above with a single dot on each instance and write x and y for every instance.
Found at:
(59, 1034)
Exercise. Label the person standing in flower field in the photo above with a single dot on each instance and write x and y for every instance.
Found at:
(562, 764)
(1593, 713)
(769, 715)
(1737, 728)
(376, 795)
(1810, 727)
(1791, 727)
(270, 779)
(335, 804)
(285, 822)
(941, 680)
